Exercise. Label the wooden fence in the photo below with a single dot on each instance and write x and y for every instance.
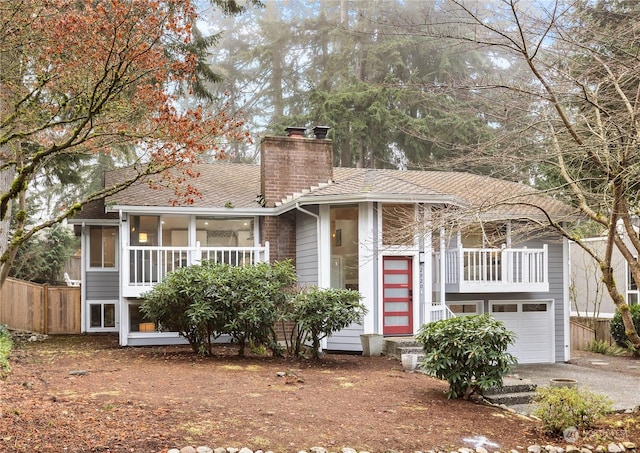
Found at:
(585, 330)
(40, 308)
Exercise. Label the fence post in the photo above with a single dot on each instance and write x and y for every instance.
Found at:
(45, 303)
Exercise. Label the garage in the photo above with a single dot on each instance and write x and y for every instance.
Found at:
(532, 322)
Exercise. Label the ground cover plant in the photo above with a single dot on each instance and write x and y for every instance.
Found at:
(562, 408)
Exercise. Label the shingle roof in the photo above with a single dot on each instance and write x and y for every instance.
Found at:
(222, 184)
(485, 194)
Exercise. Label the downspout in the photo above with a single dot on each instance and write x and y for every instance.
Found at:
(123, 315)
(323, 342)
(317, 217)
(83, 278)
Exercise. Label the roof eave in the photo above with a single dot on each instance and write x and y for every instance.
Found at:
(370, 197)
(191, 210)
(77, 221)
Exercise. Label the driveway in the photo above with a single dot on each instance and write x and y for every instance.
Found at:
(616, 377)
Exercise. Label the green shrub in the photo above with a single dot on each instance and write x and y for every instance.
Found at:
(469, 352)
(255, 300)
(617, 326)
(5, 350)
(186, 302)
(560, 408)
(201, 302)
(603, 347)
(320, 312)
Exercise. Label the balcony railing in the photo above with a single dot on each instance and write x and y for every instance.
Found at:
(470, 270)
(147, 266)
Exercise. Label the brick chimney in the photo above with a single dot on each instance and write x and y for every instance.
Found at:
(289, 165)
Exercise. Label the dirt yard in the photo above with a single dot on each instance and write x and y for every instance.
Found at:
(85, 394)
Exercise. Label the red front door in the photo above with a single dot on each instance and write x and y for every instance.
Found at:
(397, 296)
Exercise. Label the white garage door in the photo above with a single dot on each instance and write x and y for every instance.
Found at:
(532, 322)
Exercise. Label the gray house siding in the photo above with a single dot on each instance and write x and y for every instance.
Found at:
(102, 285)
(307, 248)
(348, 339)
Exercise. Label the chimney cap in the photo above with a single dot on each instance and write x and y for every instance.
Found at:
(321, 131)
(295, 131)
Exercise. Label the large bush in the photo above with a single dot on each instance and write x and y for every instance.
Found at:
(320, 312)
(255, 299)
(469, 352)
(560, 408)
(617, 326)
(201, 302)
(188, 302)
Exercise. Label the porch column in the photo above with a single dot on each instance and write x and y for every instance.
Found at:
(443, 267)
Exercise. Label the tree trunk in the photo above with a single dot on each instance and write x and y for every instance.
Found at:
(6, 176)
(623, 307)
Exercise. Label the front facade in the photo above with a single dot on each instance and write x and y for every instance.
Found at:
(369, 230)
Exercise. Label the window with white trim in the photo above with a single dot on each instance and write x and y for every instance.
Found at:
(633, 295)
(102, 315)
(102, 247)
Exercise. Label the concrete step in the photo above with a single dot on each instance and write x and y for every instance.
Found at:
(393, 346)
(513, 391)
(510, 399)
(410, 350)
(524, 387)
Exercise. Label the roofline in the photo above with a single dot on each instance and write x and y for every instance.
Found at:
(370, 197)
(190, 210)
(78, 221)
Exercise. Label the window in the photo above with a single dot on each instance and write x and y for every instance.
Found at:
(344, 247)
(229, 232)
(137, 321)
(398, 224)
(175, 231)
(633, 295)
(144, 230)
(485, 235)
(102, 246)
(460, 308)
(102, 315)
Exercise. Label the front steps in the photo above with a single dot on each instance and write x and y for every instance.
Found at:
(396, 346)
(515, 391)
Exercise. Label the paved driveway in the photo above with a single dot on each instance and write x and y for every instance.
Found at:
(618, 378)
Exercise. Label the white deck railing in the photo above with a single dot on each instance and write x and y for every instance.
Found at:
(439, 312)
(147, 266)
(508, 269)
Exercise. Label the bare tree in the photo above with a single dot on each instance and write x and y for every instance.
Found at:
(578, 110)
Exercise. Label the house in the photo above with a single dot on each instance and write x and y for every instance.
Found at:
(588, 294)
(372, 230)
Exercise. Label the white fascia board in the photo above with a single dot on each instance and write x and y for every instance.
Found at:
(371, 197)
(93, 221)
(190, 210)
